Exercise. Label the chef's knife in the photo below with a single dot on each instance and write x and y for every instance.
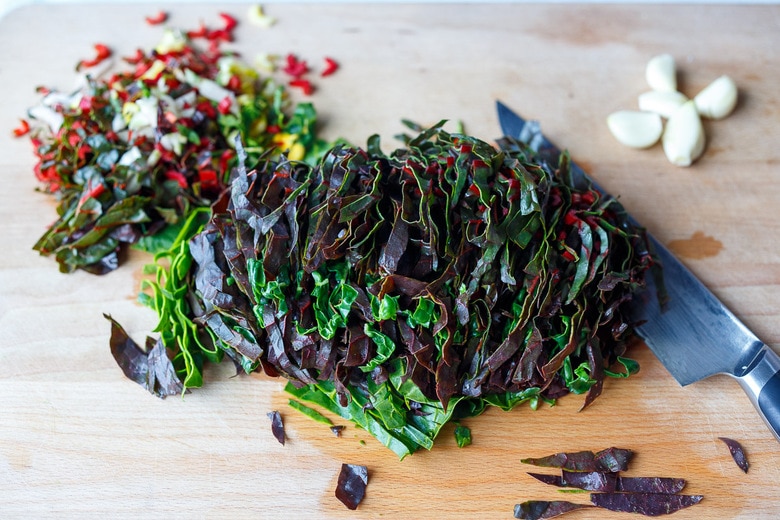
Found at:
(693, 334)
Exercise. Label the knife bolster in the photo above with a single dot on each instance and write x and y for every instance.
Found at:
(762, 384)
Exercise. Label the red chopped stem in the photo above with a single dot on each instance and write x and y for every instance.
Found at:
(22, 129)
(331, 66)
(208, 179)
(96, 191)
(218, 35)
(135, 58)
(295, 67)
(102, 52)
(198, 33)
(230, 22)
(224, 106)
(303, 84)
(157, 19)
(177, 176)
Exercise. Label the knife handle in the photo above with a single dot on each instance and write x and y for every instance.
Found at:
(762, 384)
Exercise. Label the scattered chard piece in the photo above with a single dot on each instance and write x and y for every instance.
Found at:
(552, 480)
(663, 485)
(541, 509)
(609, 460)
(337, 429)
(352, 483)
(310, 412)
(610, 482)
(613, 459)
(151, 368)
(648, 504)
(737, 453)
(462, 435)
(650, 496)
(590, 481)
(277, 426)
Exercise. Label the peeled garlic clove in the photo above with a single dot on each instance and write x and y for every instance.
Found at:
(718, 99)
(635, 129)
(661, 73)
(683, 138)
(662, 103)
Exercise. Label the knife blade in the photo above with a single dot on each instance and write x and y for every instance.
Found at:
(692, 333)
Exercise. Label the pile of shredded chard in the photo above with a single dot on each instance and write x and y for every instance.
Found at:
(399, 291)
(407, 290)
(131, 154)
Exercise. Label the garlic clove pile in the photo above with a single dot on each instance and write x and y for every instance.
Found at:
(683, 136)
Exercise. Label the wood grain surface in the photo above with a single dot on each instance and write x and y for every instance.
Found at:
(78, 440)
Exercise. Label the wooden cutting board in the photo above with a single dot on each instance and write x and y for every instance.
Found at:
(78, 440)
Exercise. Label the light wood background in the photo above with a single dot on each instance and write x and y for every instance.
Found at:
(77, 440)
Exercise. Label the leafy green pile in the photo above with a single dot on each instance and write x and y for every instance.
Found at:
(130, 156)
(406, 290)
